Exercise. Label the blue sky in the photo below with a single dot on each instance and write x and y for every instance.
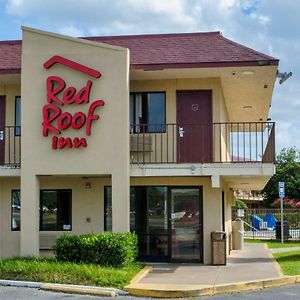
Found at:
(270, 26)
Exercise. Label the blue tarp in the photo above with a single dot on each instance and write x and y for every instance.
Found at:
(256, 221)
(271, 220)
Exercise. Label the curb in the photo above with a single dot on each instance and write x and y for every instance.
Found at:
(82, 290)
(66, 288)
(27, 284)
(277, 266)
(180, 291)
(141, 274)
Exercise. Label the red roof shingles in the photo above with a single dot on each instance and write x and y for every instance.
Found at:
(208, 49)
(10, 57)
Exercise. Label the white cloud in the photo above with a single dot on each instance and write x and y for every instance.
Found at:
(70, 31)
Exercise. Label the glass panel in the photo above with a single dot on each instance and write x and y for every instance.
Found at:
(131, 110)
(108, 209)
(151, 222)
(156, 112)
(132, 209)
(15, 211)
(185, 223)
(55, 209)
(138, 116)
(64, 210)
(18, 116)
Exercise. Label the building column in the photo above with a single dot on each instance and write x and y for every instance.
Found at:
(120, 202)
(30, 195)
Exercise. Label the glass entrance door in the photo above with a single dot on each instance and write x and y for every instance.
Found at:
(185, 224)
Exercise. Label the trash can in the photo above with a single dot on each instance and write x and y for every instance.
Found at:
(286, 230)
(218, 248)
(238, 235)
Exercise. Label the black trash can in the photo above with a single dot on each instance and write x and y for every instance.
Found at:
(218, 248)
(286, 230)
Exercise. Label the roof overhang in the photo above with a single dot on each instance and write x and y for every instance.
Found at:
(247, 90)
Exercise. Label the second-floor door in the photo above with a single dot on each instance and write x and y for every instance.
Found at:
(194, 126)
(2, 129)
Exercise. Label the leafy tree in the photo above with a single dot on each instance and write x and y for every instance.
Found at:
(240, 204)
(288, 171)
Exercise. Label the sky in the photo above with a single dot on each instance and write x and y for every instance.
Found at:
(269, 26)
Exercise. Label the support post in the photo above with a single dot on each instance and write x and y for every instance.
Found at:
(30, 191)
(281, 214)
(120, 203)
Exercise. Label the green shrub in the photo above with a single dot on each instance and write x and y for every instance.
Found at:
(105, 249)
(240, 204)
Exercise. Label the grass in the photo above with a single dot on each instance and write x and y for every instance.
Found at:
(289, 262)
(50, 270)
(274, 243)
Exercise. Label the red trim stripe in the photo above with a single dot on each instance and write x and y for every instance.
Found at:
(71, 64)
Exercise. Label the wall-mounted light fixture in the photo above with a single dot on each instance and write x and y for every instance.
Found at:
(88, 185)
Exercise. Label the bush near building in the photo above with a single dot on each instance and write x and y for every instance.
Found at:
(106, 249)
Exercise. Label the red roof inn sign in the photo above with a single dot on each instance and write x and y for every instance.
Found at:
(56, 121)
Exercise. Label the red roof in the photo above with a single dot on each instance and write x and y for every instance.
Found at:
(207, 49)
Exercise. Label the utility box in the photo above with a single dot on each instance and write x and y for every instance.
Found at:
(238, 235)
(286, 230)
(218, 248)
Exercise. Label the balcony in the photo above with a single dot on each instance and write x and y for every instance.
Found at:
(10, 146)
(178, 143)
(245, 142)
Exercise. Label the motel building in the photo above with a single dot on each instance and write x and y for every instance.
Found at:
(144, 133)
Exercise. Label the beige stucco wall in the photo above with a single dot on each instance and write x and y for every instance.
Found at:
(87, 209)
(170, 86)
(88, 203)
(9, 240)
(108, 146)
(11, 91)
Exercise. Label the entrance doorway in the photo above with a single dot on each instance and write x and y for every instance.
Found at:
(168, 222)
(2, 129)
(194, 126)
(185, 224)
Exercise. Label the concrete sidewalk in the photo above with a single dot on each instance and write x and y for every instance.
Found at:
(253, 263)
(252, 268)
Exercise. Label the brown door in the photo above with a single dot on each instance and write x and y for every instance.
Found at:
(2, 129)
(194, 126)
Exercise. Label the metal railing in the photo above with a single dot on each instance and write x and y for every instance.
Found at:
(260, 223)
(10, 146)
(243, 142)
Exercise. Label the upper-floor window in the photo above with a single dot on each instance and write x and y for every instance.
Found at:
(18, 116)
(148, 112)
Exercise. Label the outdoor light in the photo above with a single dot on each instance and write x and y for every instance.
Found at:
(88, 185)
(283, 76)
(248, 72)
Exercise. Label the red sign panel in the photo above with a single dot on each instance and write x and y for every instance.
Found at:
(59, 95)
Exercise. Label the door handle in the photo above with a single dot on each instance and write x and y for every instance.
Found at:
(181, 131)
(1, 135)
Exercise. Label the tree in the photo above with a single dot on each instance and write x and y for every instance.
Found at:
(288, 171)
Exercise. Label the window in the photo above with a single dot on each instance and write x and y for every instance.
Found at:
(148, 112)
(15, 210)
(18, 116)
(55, 210)
(107, 209)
